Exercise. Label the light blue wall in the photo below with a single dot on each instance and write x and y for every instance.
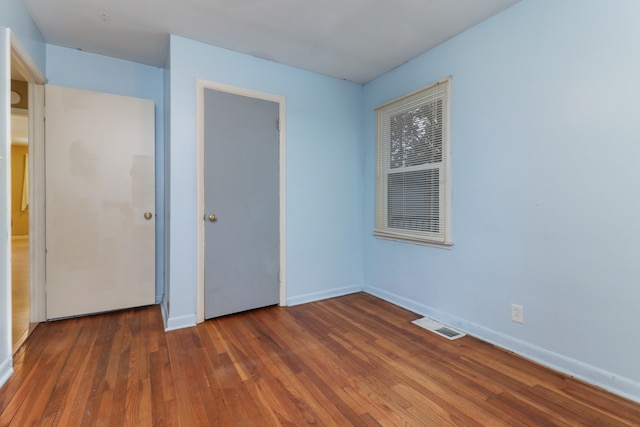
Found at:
(324, 172)
(544, 158)
(545, 172)
(88, 71)
(15, 17)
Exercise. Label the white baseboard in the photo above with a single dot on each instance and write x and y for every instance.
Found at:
(6, 370)
(176, 322)
(164, 310)
(616, 384)
(317, 296)
(179, 322)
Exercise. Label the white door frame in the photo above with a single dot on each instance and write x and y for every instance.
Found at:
(201, 86)
(22, 62)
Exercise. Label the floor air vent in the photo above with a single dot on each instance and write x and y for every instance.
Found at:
(438, 328)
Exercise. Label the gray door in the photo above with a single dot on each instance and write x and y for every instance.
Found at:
(241, 172)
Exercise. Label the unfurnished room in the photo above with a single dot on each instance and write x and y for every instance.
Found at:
(367, 213)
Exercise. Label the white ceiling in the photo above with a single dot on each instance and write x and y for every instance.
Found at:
(356, 40)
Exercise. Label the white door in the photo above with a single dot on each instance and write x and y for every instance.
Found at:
(100, 199)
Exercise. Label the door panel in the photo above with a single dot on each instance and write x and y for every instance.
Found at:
(99, 155)
(242, 246)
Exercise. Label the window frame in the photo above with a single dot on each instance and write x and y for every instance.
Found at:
(435, 92)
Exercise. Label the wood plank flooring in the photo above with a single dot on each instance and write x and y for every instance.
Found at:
(19, 291)
(349, 361)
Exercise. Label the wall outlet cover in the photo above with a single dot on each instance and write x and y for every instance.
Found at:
(517, 313)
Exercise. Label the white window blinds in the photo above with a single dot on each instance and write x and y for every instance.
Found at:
(412, 182)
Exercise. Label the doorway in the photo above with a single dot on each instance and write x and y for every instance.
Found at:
(27, 191)
(20, 265)
(213, 218)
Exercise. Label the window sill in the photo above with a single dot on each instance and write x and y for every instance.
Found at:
(412, 240)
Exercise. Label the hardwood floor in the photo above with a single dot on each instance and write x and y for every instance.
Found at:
(19, 291)
(353, 360)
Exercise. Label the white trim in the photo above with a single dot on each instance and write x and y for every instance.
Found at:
(322, 295)
(24, 64)
(415, 92)
(6, 370)
(201, 85)
(180, 322)
(622, 386)
(5, 229)
(164, 310)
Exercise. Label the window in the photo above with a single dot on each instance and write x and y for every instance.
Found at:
(412, 180)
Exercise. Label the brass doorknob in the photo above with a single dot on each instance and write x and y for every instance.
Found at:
(213, 218)
(148, 215)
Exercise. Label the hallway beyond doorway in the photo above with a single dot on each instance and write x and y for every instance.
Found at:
(19, 291)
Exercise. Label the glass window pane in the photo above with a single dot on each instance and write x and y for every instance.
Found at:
(416, 136)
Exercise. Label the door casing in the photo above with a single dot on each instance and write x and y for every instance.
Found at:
(24, 65)
(201, 86)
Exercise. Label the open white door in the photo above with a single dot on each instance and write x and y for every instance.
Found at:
(100, 199)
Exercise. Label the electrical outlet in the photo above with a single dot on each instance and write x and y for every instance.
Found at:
(517, 313)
